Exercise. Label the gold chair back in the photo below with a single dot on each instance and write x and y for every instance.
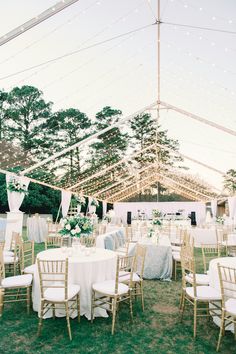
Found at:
(88, 241)
(53, 274)
(53, 242)
(139, 260)
(2, 268)
(27, 254)
(209, 252)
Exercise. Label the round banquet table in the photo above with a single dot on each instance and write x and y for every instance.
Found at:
(37, 229)
(215, 281)
(84, 270)
(158, 261)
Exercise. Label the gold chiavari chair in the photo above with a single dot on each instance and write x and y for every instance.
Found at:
(12, 258)
(53, 242)
(183, 240)
(138, 269)
(88, 241)
(209, 252)
(227, 276)
(110, 293)
(28, 265)
(55, 291)
(14, 289)
(199, 296)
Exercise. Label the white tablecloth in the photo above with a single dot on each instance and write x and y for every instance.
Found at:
(37, 229)
(214, 277)
(83, 270)
(204, 236)
(3, 224)
(158, 261)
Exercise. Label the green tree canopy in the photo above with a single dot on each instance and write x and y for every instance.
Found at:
(230, 181)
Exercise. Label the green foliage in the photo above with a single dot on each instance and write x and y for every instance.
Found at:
(26, 112)
(112, 144)
(3, 115)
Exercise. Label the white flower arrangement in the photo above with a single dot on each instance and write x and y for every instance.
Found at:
(16, 186)
(94, 202)
(156, 213)
(80, 199)
(220, 220)
(76, 225)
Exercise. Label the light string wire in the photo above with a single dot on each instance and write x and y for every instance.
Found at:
(78, 51)
(84, 42)
(30, 45)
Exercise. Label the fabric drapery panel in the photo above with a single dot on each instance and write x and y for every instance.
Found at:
(232, 207)
(104, 208)
(15, 199)
(214, 207)
(65, 202)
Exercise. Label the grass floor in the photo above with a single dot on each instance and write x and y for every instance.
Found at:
(157, 330)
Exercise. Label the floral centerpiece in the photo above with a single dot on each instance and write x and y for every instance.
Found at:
(220, 220)
(156, 222)
(80, 199)
(16, 186)
(108, 216)
(156, 213)
(75, 226)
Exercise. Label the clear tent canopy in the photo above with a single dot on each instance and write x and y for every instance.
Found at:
(122, 178)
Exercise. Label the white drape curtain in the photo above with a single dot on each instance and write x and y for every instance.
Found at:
(15, 199)
(214, 207)
(232, 207)
(104, 208)
(65, 202)
(89, 204)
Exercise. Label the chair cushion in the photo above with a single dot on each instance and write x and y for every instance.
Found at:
(176, 256)
(8, 253)
(201, 279)
(108, 288)
(17, 281)
(58, 294)
(204, 293)
(124, 277)
(230, 306)
(30, 269)
(109, 243)
(176, 248)
(9, 260)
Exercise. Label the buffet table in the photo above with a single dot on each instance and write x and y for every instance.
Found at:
(84, 269)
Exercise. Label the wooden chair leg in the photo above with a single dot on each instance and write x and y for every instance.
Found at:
(113, 315)
(68, 320)
(1, 301)
(78, 306)
(222, 326)
(131, 305)
(195, 319)
(28, 299)
(92, 305)
(40, 318)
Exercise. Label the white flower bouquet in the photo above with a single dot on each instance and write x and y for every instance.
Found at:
(220, 220)
(16, 186)
(76, 225)
(80, 199)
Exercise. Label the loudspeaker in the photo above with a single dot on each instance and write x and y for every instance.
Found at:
(129, 217)
(193, 218)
